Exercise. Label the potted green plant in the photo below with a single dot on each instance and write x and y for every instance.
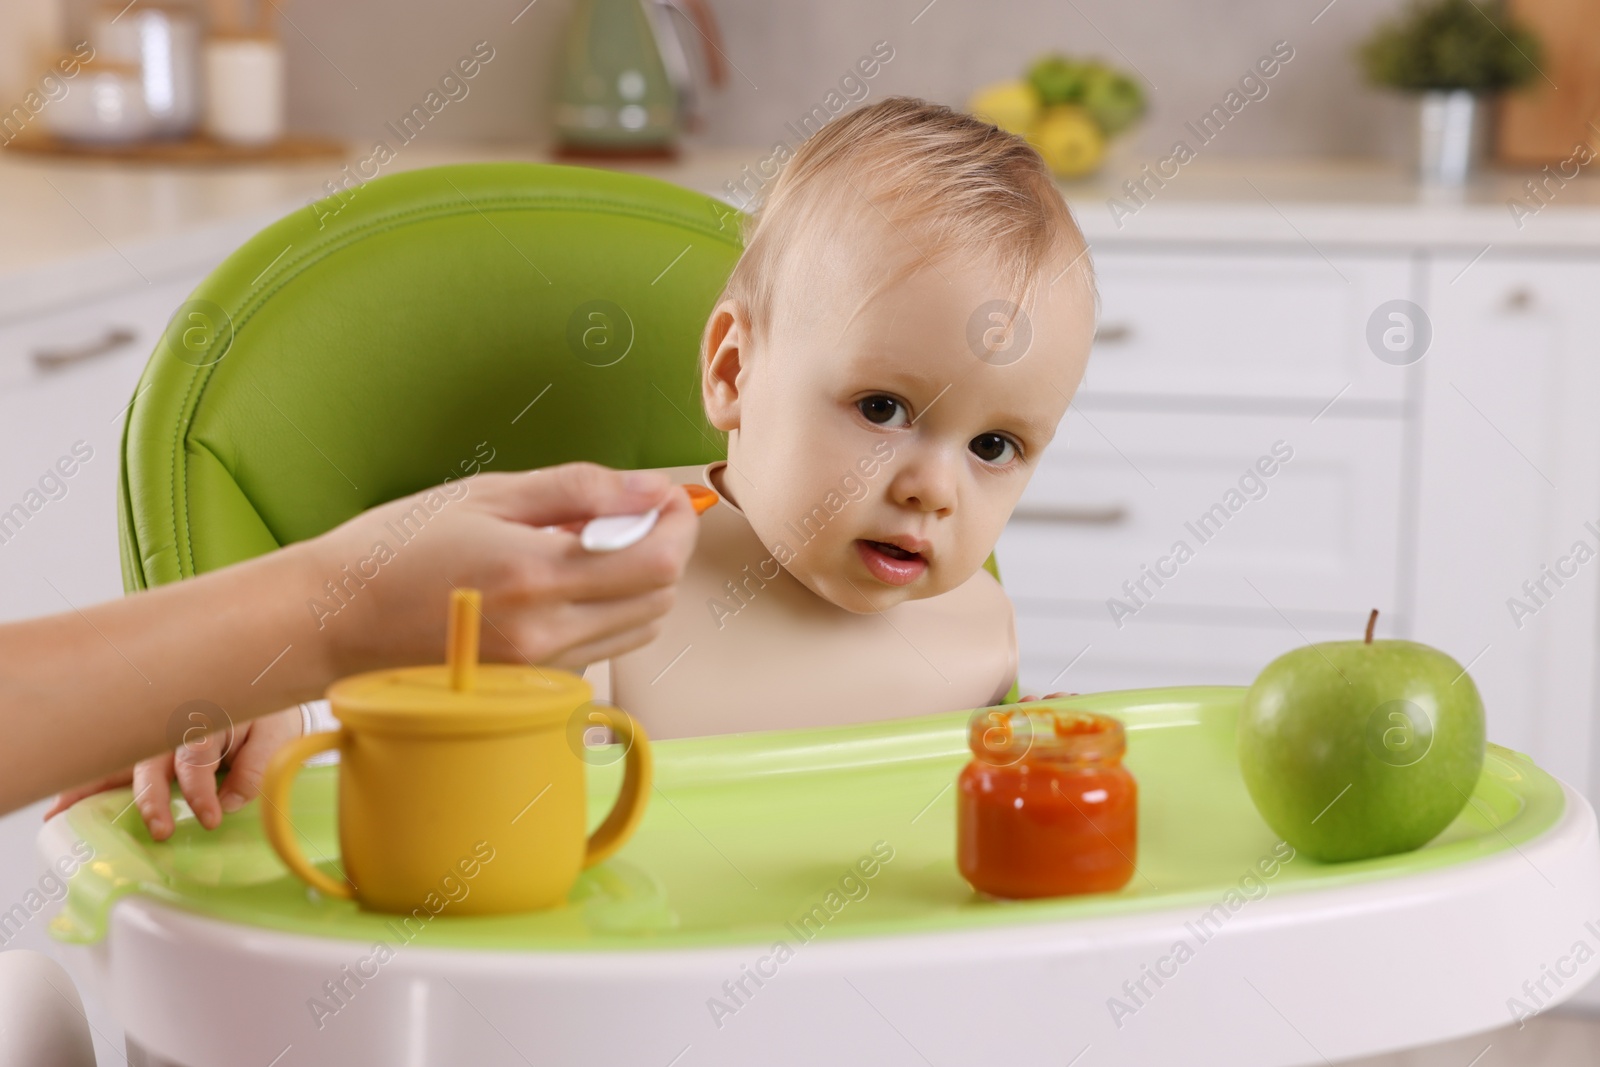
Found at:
(1454, 55)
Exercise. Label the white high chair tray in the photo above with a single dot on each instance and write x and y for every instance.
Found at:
(1314, 964)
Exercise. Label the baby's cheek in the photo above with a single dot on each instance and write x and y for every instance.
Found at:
(944, 578)
(958, 567)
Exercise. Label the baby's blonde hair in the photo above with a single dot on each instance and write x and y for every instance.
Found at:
(945, 181)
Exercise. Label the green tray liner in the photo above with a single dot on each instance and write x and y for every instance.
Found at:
(747, 834)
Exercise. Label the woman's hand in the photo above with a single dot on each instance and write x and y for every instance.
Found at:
(89, 691)
(378, 586)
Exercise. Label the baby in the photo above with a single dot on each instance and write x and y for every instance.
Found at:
(891, 355)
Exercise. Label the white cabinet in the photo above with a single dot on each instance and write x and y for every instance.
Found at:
(1242, 324)
(1077, 653)
(1231, 480)
(1256, 513)
(1509, 484)
(1179, 548)
(1432, 491)
(58, 532)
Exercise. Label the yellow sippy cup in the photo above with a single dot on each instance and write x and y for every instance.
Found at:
(458, 785)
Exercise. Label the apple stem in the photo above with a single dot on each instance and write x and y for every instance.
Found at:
(1372, 620)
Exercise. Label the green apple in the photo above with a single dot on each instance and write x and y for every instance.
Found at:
(1354, 749)
(1115, 100)
(1057, 79)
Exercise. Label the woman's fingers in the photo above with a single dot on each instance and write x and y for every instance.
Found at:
(549, 631)
(577, 658)
(152, 794)
(621, 625)
(533, 580)
(569, 492)
(72, 796)
(574, 599)
(556, 566)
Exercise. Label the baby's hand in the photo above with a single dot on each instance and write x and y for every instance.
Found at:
(1052, 696)
(254, 742)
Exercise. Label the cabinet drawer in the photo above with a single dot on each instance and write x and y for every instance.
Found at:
(1084, 655)
(58, 537)
(1246, 324)
(115, 331)
(1167, 510)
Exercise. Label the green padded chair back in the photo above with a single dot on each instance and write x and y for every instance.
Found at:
(378, 342)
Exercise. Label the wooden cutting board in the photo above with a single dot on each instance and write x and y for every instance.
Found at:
(192, 150)
(1544, 121)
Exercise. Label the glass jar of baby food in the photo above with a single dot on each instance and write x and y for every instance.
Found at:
(1046, 807)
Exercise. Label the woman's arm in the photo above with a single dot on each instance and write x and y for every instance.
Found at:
(86, 693)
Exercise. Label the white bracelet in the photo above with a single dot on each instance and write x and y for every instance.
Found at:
(316, 717)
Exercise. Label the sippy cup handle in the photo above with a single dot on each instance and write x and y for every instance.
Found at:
(275, 784)
(637, 772)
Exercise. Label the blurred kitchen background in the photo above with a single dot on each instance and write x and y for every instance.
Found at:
(353, 66)
(1378, 252)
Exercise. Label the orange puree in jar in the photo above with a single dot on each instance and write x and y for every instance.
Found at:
(1046, 807)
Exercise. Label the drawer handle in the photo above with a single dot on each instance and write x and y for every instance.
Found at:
(54, 359)
(1519, 299)
(1103, 516)
(1115, 333)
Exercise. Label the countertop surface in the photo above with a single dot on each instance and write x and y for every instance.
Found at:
(74, 229)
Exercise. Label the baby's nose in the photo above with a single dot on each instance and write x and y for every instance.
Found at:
(929, 485)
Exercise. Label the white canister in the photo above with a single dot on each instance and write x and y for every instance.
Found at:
(104, 104)
(244, 89)
(165, 44)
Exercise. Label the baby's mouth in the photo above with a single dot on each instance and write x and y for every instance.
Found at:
(893, 550)
(890, 564)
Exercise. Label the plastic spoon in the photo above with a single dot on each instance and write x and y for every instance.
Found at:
(611, 533)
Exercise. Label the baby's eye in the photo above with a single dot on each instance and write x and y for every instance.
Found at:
(882, 410)
(993, 448)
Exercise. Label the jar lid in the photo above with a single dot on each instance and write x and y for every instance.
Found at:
(1014, 732)
(503, 697)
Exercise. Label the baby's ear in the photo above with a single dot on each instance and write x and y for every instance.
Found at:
(723, 359)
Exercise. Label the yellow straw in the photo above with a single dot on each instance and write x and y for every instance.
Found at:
(461, 638)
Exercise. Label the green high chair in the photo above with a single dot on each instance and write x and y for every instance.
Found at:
(389, 337)
(370, 345)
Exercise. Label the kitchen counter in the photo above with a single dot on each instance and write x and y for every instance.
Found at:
(79, 229)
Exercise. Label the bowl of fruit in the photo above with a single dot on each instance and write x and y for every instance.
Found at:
(1066, 108)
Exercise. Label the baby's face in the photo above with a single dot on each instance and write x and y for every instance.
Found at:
(876, 455)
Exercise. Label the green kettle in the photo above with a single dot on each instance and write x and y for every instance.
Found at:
(624, 84)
